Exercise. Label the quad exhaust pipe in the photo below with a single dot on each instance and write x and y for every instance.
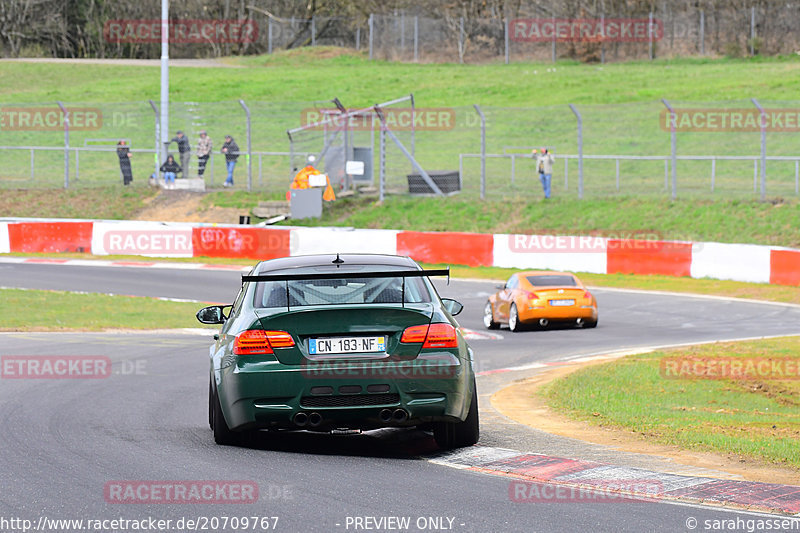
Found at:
(300, 419)
(399, 416)
(314, 420)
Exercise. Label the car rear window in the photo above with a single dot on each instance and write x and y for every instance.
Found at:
(314, 292)
(552, 281)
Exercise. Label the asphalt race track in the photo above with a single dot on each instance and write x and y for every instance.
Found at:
(63, 441)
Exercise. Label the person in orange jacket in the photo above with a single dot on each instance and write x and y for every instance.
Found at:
(301, 181)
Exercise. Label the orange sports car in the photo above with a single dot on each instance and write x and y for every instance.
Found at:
(537, 297)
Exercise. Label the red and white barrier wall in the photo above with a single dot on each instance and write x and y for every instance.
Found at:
(740, 262)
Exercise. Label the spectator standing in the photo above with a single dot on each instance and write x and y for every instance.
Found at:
(170, 168)
(124, 155)
(204, 146)
(544, 165)
(184, 150)
(231, 151)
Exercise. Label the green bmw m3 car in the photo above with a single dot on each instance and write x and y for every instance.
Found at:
(352, 342)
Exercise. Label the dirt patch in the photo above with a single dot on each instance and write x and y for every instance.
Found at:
(521, 402)
(185, 206)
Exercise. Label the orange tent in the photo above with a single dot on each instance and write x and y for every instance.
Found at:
(301, 182)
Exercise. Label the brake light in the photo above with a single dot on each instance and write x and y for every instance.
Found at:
(587, 294)
(432, 336)
(441, 336)
(260, 342)
(532, 295)
(414, 334)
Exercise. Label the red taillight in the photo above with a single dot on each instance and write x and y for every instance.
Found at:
(433, 336)
(259, 342)
(414, 334)
(587, 294)
(532, 295)
(441, 336)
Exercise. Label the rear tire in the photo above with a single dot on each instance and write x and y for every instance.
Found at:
(591, 324)
(513, 319)
(449, 435)
(210, 405)
(488, 317)
(222, 433)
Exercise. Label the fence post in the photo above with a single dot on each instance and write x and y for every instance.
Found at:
(483, 150)
(506, 38)
(32, 164)
(413, 126)
(66, 144)
(371, 28)
(416, 38)
(158, 126)
(763, 126)
(382, 164)
(713, 173)
(673, 145)
(77, 165)
(650, 34)
(269, 35)
(553, 44)
(702, 32)
(580, 150)
(313, 31)
(249, 147)
(752, 30)
(461, 41)
(602, 38)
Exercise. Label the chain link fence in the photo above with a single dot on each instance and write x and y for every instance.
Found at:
(626, 149)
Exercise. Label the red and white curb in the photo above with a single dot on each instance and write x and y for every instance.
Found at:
(534, 467)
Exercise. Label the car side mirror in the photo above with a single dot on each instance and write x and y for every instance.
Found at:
(213, 314)
(453, 307)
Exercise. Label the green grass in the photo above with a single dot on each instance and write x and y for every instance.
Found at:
(525, 104)
(753, 418)
(59, 310)
(110, 202)
(318, 74)
(722, 220)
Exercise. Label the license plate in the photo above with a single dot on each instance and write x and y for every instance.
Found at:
(336, 345)
(559, 303)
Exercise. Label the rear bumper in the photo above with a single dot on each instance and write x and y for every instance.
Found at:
(270, 394)
(556, 314)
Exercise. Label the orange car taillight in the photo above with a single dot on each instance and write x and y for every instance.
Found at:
(260, 342)
(433, 336)
(532, 295)
(587, 294)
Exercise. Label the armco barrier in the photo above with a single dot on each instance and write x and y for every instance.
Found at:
(53, 236)
(306, 241)
(150, 239)
(550, 252)
(785, 267)
(242, 242)
(472, 249)
(5, 247)
(739, 262)
(633, 256)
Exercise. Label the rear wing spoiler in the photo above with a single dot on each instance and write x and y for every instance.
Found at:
(350, 275)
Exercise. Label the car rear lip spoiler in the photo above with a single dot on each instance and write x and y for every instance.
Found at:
(349, 275)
